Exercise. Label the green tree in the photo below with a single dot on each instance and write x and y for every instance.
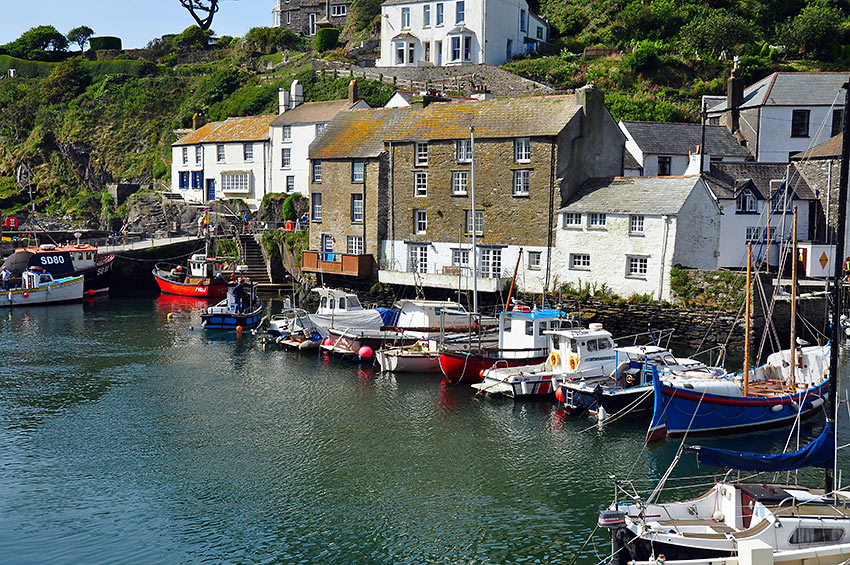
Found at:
(717, 30)
(80, 35)
(268, 40)
(814, 29)
(67, 81)
(39, 43)
(193, 37)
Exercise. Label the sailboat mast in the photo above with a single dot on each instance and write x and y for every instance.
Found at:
(747, 319)
(793, 352)
(832, 404)
(474, 222)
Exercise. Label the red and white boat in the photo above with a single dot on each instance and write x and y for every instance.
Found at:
(201, 278)
(521, 342)
(65, 261)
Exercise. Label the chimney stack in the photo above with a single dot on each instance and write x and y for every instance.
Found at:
(734, 99)
(296, 93)
(282, 100)
(198, 121)
(352, 91)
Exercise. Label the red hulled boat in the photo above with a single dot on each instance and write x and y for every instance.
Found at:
(200, 279)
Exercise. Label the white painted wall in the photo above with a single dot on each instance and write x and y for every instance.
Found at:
(733, 232)
(775, 141)
(698, 234)
(258, 171)
(394, 258)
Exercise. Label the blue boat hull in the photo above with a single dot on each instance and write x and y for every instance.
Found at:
(231, 321)
(678, 411)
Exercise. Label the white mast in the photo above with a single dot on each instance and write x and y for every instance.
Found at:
(474, 223)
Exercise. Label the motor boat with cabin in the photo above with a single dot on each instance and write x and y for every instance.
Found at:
(229, 315)
(521, 341)
(200, 278)
(342, 310)
(566, 353)
(293, 328)
(38, 287)
(65, 261)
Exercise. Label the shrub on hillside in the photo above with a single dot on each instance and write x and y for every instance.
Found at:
(814, 29)
(67, 81)
(268, 40)
(326, 38)
(104, 42)
(41, 43)
(717, 30)
(193, 37)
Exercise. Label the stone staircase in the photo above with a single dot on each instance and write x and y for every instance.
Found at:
(253, 257)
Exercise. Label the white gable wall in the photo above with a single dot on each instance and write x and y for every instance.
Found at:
(698, 236)
(775, 141)
(733, 232)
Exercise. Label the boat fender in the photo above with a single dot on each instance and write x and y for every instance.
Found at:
(817, 403)
(555, 359)
(777, 407)
(795, 406)
(573, 362)
(718, 516)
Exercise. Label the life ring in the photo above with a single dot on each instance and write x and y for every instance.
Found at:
(555, 359)
(573, 362)
(522, 309)
(630, 379)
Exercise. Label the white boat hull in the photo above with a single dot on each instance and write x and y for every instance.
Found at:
(396, 361)
(62, 290)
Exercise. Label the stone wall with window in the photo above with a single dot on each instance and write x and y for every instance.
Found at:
(295, 15)
(353, 212)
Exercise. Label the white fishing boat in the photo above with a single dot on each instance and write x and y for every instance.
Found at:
(39, 287)
(420, 357)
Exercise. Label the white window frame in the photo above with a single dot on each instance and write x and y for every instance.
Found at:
(421, 149)
(580, 261)
(236, 182)
(522, 150)
(316, 172)
(321, 127)
(220, 153)
(479, 222)
(597, 220)
(354, 245)
(636, 224)
(357, 208)
(358, 172)
(439, 18)
(290, 183)
(405, 18)
(746, 202)
(522, 181)
(199, 154)
(460, 258)
(753, 234)
(420, 183)
(287, 133)
(316, 207)
(491, 262)
(456, 51)
(460, 12)
(400, 52)
(637, 266)
(426, 16)
(339, 11)
(463, 150)
(248, 152)
(417, 258)
(535, 258)
(460, 183)
(572, 220)
(185, 153)
(285, 158)
(420, 220)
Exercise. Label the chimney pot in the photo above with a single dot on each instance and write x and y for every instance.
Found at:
(352, 91)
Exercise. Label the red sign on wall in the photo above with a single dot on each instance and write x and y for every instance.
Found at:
(11, 222)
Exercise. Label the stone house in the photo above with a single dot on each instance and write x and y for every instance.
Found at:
(628, 232)
(293, 131)
(783, 113)
(663, 148)
(306, 16)
(349, 169)
(757, 201)
(221, 160)
(457, 32)
(528, 153)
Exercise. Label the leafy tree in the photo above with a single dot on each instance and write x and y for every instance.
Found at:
(80, 35)
(202, 11)
(67, 81)
(193, 37)
(268, 40)
(814, 29)
(38, 43)
(717, 30)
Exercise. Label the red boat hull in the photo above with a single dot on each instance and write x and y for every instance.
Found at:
(201, 290)
(466, 367)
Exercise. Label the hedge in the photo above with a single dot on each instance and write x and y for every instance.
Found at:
(24, 68)
(104, 42)
(326, 38)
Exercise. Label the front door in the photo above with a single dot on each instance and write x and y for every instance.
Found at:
(328, 246)
(438, 46)
(210, 189)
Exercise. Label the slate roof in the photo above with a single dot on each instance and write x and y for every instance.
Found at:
(651, 196)
(726, 179)
(829, 149)
(629, 161)
(312, 112)
(252, 128)
(361, 133)
(791, 89)
(681, 139)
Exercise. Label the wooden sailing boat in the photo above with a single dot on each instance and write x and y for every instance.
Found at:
(788, 518)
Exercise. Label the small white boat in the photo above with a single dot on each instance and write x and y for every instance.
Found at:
(421, 357)
(293, 328)
(39, 287)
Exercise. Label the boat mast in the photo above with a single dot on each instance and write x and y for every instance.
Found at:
(747, 321)
(513, 280)
(474, 223)
(832, 395)
(793, 352)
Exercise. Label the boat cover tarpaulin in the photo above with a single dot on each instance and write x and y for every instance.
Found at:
(389, 315)
(819, 453)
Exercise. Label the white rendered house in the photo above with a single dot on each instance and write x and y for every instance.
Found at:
(221, 160)
(627, 233)
(294, 130)
(457, 32)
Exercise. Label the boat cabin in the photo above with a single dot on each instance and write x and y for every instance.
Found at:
(430, 315)
(35, 277)
(523, 328)
(203, 267)
(579, 350)
(61, 260)
(333, 301)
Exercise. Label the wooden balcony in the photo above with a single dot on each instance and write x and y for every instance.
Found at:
(337, 263)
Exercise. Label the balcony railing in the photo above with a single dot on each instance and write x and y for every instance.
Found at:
(337, 263)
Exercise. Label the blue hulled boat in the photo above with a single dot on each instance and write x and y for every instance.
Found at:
(245, 312)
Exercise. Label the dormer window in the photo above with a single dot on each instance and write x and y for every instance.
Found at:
(746, 202)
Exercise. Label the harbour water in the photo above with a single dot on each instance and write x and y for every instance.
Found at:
(128, 436)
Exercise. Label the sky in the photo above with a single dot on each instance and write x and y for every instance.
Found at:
(136, 22)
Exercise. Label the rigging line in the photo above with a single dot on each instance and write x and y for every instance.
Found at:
(577, 553)
(617, 415)
(140, 260)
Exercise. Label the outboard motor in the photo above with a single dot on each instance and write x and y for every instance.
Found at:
(611, 519)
